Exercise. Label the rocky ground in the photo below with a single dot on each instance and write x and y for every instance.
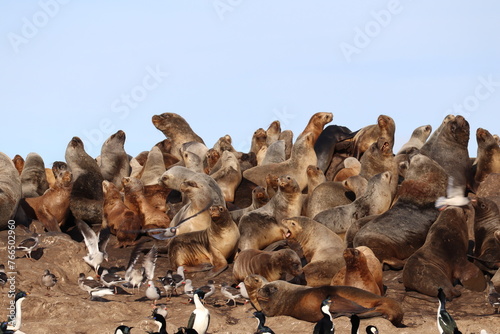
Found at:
(67, 309)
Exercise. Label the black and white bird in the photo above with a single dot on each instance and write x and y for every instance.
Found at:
(152, 292)
(371, 329)
(229, 292)
(208, 289)
(162, 324)
(355, 326)
(325, 325)
(28, 245)
(445, 323)
(261, 326)
(97, 293)
(136, 276)
(243, 290)
(454, 196)
(48, 279)
(200, 317)
(95, 243)
(122, 329)
(3, 276)
(188, 288)
(88, 283)
(18, 299)
(178, 279)
(110, 280)
(160, 309)
(493, 296)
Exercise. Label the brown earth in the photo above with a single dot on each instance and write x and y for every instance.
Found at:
(68, 309)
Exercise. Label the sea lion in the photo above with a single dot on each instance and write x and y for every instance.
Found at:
(208, 249)
(33, 179)
(122, 222)
(154, 167)
(442, 259)
(86, 195)
(322, 248)
(252, 284)
(360, 273)
(245, 160)
(157, 195)
(211, 158)
(261, 227)
(135, 200)
(195, 147)
(259, 138)
(325, 144)
(486, 233)
(316, 124)
(274, 153)
(18, 163)
(417, 139)
(114, 162)
(376, 200)
(357, 184)
(368, 135)
(52, 208)
(227, 174)
(328, 194)
(272, 265)
(434, 135)
(287, 137)
(303, 303)
(488, 156)
(259, 199)
(193, 161)
(10, 190)
(273, 132)
(177, 129)
(397, 233)
(352, 167)
(302, 156)
(450, 150)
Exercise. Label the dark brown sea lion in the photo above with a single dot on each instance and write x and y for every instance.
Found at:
(114, 161)
(486, 233)
(252, 284)
(325, 144)
(272, 265)
(86, 196)
(177, 129)
(368, 135)
(33, 179)
(442, 259)
(122, 222)
(488, 156)
(397, 233)
(322, 248)
(261, 227)
(208, 249)
(303, 303)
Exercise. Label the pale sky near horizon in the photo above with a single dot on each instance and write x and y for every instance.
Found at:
(90, 68)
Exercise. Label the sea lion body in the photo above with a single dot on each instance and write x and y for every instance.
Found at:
(352, 167)
(259, 199)
(227, 174)
(153, 168)
(326, 195)
(488, 156)
(368, 135)
(10, 190)
(114, 162)
(272, 265)
(325, 144)
(33, 179)
(417, 139)
(442, 259)
(487, 233)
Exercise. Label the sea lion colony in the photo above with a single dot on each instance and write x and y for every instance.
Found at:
(183, 193)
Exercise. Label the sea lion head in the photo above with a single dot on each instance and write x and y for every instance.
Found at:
(288, 184)
(132, 184)
(291, 228)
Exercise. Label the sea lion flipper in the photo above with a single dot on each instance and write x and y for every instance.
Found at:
(472, 278)
(343, 306)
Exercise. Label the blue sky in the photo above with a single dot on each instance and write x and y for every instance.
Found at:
(88, 68)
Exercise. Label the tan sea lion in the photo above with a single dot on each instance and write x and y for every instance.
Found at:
(114, 162)
(33, 179)
(417, 139)
(153, 168)
(352, 167)
(442, 259)
(376, 200)
(227, 174)
(211, 158)
(122, 221)
(177, 129)
(272, 265)
(368, 135)
(486, 233)
(259, 138)
(302, 156)
(357, 184)
(273, 132)
(322, 248)
(208, 249)
(303, 303)
(18, 163)
(488, 156)
(86, 195)
(261, 227)
(259, 199)
(359, 272)
(328, 194)
(316, 124)
(397, 233)
(252, 284)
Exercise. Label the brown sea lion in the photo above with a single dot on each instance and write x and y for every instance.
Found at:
(261, 227)
(442, 259)
(259, 138)
(157, 195)
(376, 200)
(10, 190)
(302, 156)
(114, 162)
(417, 139)
(316, 124)
(252, 284)
(488, 156)
(33, 179)
(357, 184)
(486, 233)
(122, 221)
(245, 160)
(359, 272)
(177, 129)
(434, 135)
(368, 135)
(153, 168)
(322, 248)
(211, 158)
(227, 174)
(303, 303)
(273, 132)
(208, 249)
(397, 233)
(52, 208)
(352, 167)
(272, 265)
(259, 199)
(18, 163)
(328, 194)
(86, 195)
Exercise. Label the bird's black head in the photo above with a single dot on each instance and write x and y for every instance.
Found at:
(200, 294)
